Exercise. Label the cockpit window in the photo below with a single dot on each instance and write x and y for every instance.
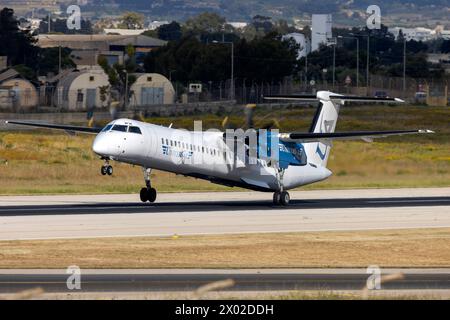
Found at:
(119, 127)
(109, 126)
(135, 130)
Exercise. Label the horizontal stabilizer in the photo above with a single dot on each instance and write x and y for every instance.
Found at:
(333, 97)
(299, 97)
(56, 126)
(364, 135)
(365, 99)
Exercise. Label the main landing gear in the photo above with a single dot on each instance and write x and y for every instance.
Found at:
(107, 169)
(148, 193)
(281, 197)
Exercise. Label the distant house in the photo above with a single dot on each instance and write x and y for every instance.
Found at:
(95, 44)
(151, 89)
(85, 59)
(22, 93)
(83, 90)
(442, 59)
(124, 32)
(101, 42)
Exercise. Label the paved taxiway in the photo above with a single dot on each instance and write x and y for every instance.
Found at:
(244, 280)
(54, 217)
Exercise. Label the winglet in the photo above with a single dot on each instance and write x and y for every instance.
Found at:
(426, 131)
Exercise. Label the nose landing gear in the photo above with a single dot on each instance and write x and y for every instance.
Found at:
(107, 169)
(148, 193)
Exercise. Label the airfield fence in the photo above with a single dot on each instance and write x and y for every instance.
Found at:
(46, 99)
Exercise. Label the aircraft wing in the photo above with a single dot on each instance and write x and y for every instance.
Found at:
(363, 135)
(70, 129)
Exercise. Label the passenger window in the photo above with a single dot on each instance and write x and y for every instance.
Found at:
(167, 141)
(171, 143)
(162, 140)
(120, 128)
(135, 130)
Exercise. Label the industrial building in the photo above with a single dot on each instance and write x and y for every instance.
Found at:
(320, 30)
(151, 89)
(83, 90)
(18, 93)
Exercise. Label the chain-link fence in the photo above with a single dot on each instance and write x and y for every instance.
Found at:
(50, 98)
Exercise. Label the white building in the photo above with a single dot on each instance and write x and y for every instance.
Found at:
(302, 41)
(320, 30)
(445, 34)
(238, 25)
(156, 24)
(417, 34)
(125, 32)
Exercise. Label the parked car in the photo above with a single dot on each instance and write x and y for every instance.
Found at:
(420, 97)
(381, 94)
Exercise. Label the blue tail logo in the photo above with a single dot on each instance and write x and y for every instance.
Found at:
(328, 128)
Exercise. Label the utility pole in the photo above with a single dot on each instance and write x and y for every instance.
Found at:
(232, 71)
(357, 57)
(334, 60)
(232, 93)
(59, 69)
(368, 61)
(404, 66)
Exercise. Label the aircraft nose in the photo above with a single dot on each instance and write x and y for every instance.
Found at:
(100, 146)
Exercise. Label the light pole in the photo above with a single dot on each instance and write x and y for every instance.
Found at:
(334, 43)
(170, 74)
(368, 55)
(357, 57)
(232, 67)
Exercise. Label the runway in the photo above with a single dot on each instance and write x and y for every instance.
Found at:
(89, 216)
(55, 281)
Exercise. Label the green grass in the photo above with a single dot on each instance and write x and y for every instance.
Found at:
(43, 162)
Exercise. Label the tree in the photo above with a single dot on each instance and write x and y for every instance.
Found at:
(170, 32)
(16, 44)
(263, 59)
(205, 22)
(132, 20)
(48, 60)
(445, 47)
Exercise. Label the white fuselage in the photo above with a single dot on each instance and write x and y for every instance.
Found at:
(203, 155)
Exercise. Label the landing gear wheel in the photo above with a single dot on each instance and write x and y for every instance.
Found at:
(276, 198)
(151, 194)
(143, 195)
(109, 170)
(103, 170)
(285, 198)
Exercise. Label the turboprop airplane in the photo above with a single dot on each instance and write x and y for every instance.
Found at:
(263, 160)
